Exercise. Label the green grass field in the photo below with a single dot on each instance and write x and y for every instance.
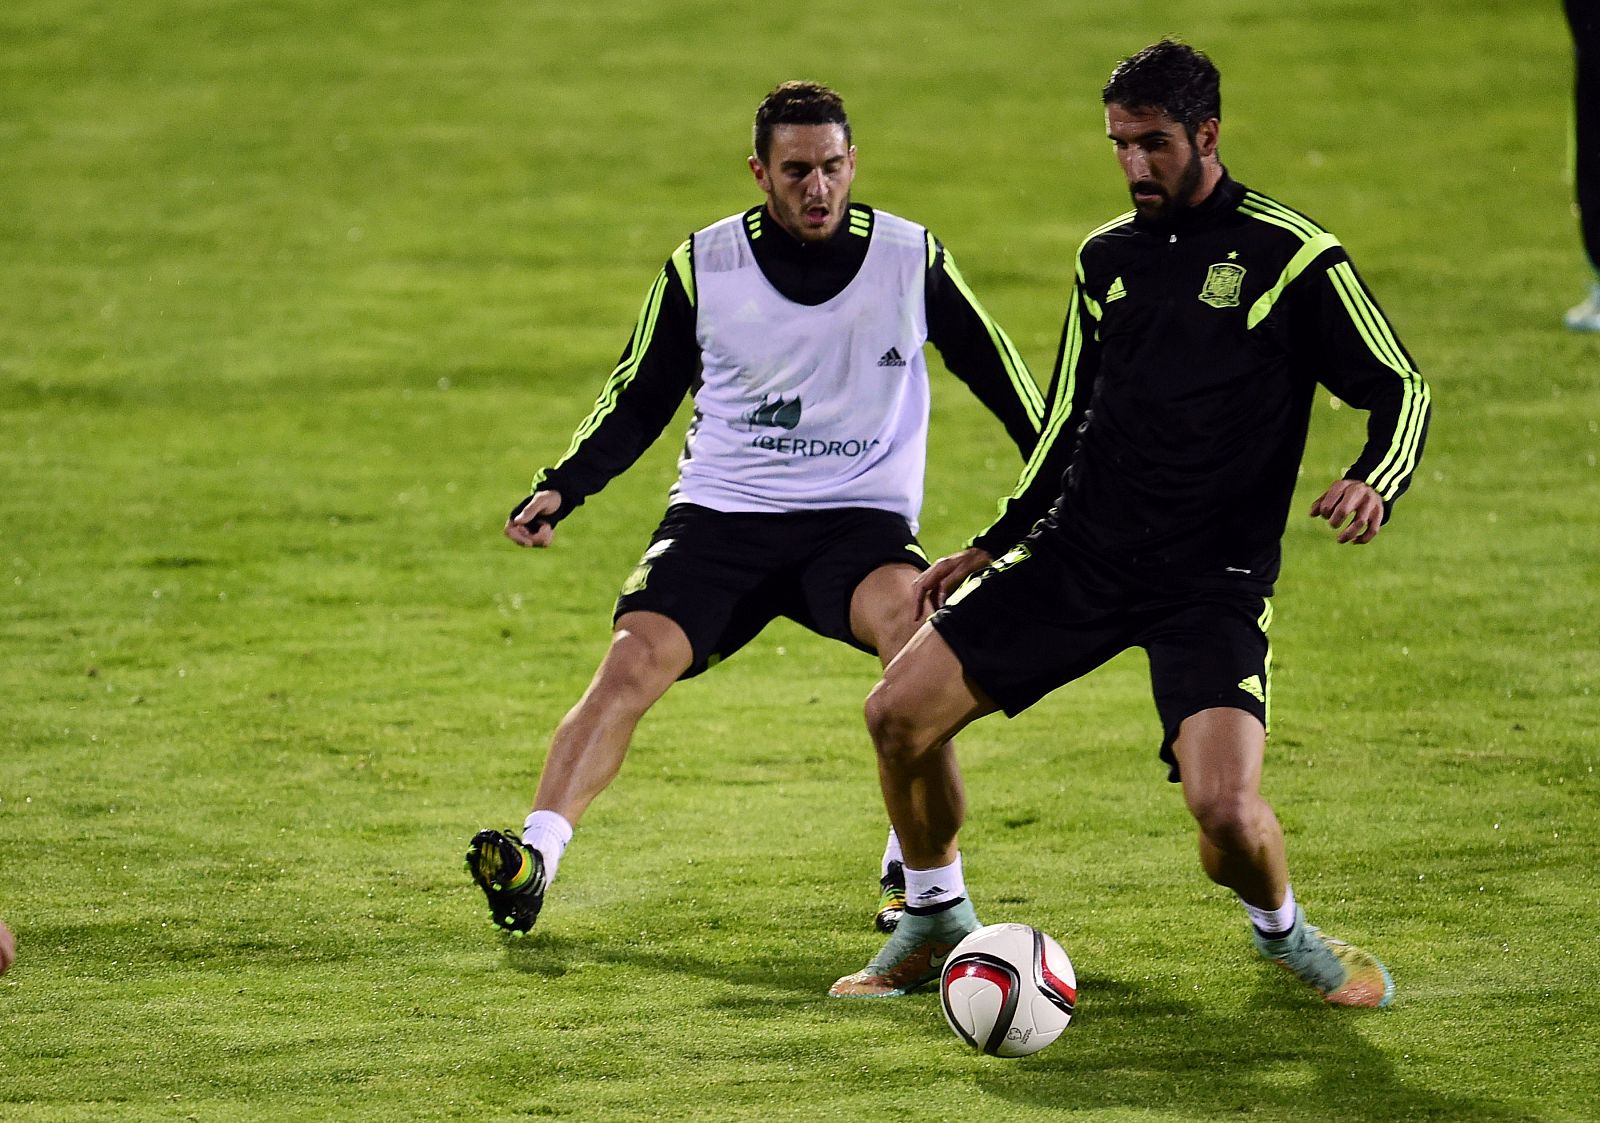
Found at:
(297, 296)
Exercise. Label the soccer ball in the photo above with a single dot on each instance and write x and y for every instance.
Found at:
(1008, 990)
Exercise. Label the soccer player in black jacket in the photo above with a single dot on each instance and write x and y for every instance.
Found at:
(1199, 326)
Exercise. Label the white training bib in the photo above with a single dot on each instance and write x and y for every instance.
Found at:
(804, 407)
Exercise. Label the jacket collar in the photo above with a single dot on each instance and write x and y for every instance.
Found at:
(1224, 197)
(770, 237)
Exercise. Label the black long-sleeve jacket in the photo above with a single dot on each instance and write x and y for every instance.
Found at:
(1183, 387)
(661, 362)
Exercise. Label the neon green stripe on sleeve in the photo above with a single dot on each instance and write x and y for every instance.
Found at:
(1121, 220)
(1293, 220)
(1066, 390)
(624, 372)
(1016, 370)
(1273, 220)
(1297, 265)
(1401, 458)
(1062, 405)
(683, 262)
(1374, 328)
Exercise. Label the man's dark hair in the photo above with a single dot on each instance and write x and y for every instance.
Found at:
(797, 103)
(1172, 77)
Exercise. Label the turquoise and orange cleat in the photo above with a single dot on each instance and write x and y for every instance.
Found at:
(913, 957)
(1342, 973)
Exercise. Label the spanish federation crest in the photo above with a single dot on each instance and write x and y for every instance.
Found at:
(1221, 289)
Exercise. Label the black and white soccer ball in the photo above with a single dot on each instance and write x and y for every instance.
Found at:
(1008, 990)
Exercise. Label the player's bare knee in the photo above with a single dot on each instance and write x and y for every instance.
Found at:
(1228, 820)
(634, 674)
(893, 726)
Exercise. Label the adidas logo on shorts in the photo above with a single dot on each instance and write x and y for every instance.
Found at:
(891, 358)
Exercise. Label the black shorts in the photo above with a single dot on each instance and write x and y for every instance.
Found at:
(1043, 615)
(723, 577)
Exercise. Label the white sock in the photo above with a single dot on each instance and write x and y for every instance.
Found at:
(891, 853)
(548, 833)
(1273, 923)
(926, 890)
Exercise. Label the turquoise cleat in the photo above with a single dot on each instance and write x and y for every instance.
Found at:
(1342, 973)
(1585, 316)
(913, 957)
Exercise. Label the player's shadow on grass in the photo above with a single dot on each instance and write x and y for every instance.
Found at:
(795, 980)
(1133, 1045)
(1288, 1056)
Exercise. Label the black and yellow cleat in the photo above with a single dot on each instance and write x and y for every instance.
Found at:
(511, 875)
(891, 898)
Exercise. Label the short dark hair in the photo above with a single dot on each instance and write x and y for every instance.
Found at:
(797, 103)
(1172, 77)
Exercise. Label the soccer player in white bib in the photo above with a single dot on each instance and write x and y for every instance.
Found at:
(797, 327)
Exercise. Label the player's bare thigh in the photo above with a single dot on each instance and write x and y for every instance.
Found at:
(648, 653)
(925, 697)
(883, 609)
(1220, 753)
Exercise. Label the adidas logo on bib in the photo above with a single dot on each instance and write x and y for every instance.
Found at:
(891, 358)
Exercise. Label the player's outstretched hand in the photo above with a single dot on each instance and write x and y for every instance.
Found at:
(529, 524)
(1356, 502)
(941, 579)
(8, 947)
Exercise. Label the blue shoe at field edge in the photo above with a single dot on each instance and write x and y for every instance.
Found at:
(1585, 316)
(913, 957)
(511, 875)
(1342, 973)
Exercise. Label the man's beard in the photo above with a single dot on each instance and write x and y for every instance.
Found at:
(1173, 203)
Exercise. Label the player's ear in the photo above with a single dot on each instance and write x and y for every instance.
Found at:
(1205, 137)
(758, 169)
